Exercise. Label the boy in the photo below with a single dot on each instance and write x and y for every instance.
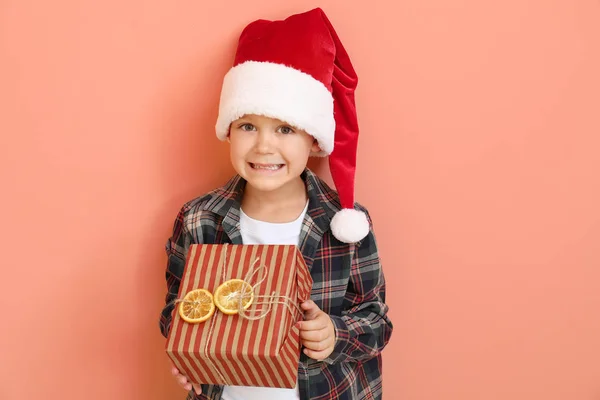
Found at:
(277, 108)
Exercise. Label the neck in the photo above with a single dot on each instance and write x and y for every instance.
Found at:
(282, 205)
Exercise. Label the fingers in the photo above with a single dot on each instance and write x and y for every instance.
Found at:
(187, 385)
(314, 318)
(320, 335)
(183, 381)
(311, 310)
(317, 355)
(315, 324)
(317, 346)
(317, 332)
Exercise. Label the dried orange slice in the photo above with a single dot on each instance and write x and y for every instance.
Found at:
(227, 296)
(197, 306)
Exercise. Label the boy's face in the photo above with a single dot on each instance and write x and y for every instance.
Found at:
(269, 153)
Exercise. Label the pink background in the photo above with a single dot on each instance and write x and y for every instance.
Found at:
(479, 162)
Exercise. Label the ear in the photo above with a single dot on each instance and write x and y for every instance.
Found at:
(315, 147)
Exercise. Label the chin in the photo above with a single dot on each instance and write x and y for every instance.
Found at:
(265, 185)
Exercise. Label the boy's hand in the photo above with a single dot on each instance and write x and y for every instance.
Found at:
(317, 332)
(183, 382)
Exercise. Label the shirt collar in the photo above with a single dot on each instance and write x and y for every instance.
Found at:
(322, 202)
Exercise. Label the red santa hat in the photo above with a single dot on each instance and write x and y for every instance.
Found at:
(298, 71)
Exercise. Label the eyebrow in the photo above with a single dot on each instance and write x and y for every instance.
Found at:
(252, 120)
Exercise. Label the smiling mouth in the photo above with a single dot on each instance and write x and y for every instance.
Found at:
(266, 167)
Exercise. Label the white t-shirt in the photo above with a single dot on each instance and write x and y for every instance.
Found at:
(259, 232)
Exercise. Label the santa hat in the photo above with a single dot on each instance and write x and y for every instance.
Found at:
(298, 71)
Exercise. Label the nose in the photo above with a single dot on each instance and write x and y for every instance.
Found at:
(265, 141)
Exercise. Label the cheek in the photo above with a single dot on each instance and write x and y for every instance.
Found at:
(239, 148)
(297, 151)
(237, 157)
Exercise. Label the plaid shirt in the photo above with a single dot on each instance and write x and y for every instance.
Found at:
(348, 285)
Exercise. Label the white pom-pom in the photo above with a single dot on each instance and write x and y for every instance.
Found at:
(349, 225)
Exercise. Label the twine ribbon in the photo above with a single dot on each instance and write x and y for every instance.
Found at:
(274, 298)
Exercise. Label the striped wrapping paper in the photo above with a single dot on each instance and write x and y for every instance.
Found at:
(231, 350)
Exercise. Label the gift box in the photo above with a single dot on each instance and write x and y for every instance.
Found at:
(257, 346)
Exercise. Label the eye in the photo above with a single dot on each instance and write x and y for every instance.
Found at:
(247, 127)
(286, 130)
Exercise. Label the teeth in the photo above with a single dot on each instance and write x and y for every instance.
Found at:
(271, 167)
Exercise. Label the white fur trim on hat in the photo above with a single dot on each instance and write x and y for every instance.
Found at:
(349, 225)
(281, 92)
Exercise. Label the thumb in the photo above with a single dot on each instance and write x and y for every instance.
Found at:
(311, 310)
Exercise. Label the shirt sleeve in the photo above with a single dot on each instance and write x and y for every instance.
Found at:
(364, 329)
(176, 248)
